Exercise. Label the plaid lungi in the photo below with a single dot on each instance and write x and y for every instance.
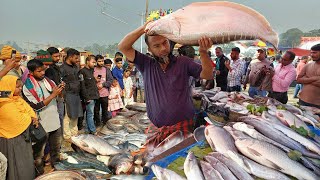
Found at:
(157, 135)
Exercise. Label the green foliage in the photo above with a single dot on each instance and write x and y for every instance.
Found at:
(291, 38)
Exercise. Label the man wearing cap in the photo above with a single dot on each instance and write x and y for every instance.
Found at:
(256, 67)
(236, 70)
(9, 54)
(284, 74)
(310, 78)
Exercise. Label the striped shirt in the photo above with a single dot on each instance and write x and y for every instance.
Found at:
(236, 73)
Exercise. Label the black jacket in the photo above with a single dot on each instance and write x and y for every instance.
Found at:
(70, 75)
(222, 79)
(89, 89)
(53, 73)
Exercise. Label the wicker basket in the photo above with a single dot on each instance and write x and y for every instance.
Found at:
(233, 116)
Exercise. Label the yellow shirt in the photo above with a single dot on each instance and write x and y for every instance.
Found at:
(15, 113)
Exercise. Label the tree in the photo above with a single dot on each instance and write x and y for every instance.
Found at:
(291, 38)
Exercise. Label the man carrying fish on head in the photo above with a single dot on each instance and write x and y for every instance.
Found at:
(166, 82)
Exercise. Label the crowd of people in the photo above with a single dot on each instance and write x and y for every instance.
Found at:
(60, 97)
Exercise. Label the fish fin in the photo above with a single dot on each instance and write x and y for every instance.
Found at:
(95, 151)
(246, 164)
(254, 152)
(84, 144)
(274, 166)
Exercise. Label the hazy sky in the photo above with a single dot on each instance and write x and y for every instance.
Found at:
(80, 22)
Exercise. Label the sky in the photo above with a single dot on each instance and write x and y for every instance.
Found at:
(78, 23)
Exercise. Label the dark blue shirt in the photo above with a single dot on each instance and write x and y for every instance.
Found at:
(118, 74)
(167, 93)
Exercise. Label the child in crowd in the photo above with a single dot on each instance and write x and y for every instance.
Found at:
(115, 101)
(128, 87)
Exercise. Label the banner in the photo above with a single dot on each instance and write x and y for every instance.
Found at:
(157, 14)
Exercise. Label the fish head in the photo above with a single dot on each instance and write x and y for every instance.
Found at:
(190, 162)
(167, 26)
(158, 171)
(123, 167)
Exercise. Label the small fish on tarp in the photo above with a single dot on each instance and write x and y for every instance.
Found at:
(182, 26)
(105, 130)
(132, 128)
(58, 175)
(3, 166)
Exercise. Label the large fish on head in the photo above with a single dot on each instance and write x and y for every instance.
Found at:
(221, 21)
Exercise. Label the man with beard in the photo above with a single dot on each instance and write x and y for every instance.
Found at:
(166, 82)
(40, 92)
(310, 78)
(104, 81)
(53, 73)
(73, 110)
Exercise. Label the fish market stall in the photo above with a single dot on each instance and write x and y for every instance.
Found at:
(247, 138)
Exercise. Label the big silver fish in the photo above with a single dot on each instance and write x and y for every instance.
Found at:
(165, 174)
(219, 139)
(256, 169)
(209, 172)
(191, 168)
(220, 167)
(272, 157)
(220, 20)
(58, 175)
(94, 145)
(233, 166)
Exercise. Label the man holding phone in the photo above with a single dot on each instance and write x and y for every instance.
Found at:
(104, 80)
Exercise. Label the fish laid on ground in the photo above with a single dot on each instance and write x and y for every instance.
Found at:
(290, 119)
(270, 156)
(219, 139)
(132, 128)
(297, 137)
(271, 118)
(237, 108)
(209, 172)
(182, 26)
(127, 113)
(58, 175)
(220, 167)
(121, 163)
(232, 166)
(219, 95)
(269, 131)
(94, 145)
(3, 166)
(127, 146)
(165, 174)
(191, 168)
(256, 169)
(105, 130)
(141, 107)
(308, 119)
(293, 109)
(116, 123)
(65, 165)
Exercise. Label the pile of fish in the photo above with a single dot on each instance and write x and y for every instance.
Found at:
(114, 151)
(270, 141)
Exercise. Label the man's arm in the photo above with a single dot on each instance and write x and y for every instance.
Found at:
(42, 104)
(125, 45)
(304, 79)
(10, 64)
(207, 69)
